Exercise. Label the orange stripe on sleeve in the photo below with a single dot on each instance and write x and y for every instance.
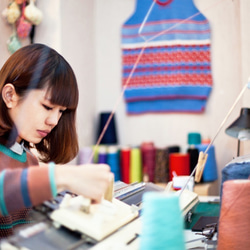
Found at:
(39, 185)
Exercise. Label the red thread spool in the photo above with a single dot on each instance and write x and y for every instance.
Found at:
(125, 164)
(234, 226)
(148, 161)
(179, 164)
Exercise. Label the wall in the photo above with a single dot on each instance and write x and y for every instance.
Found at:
(78, 46)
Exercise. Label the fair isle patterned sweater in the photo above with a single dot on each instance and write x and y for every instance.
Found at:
(20, 187)
(174, 71)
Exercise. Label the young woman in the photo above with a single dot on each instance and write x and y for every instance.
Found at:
(39, 97)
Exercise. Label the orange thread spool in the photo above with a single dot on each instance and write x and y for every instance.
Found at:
(234, 222)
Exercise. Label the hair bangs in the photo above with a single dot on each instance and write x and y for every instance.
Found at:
(63, 89)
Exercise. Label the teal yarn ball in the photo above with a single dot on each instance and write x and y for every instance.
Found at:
(162, 222)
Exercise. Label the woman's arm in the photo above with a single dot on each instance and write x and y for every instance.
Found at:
(20, 188)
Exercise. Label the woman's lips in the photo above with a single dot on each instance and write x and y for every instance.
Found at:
(43, 133)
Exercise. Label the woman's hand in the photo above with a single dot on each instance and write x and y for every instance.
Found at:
(89, 180)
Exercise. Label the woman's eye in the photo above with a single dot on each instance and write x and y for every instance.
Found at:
(47, 107)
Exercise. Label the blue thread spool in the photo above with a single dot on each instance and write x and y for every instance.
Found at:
(162, 222)
(236, 170)
(239, 168)
(113, 160)
(110, 136)
(210, 169)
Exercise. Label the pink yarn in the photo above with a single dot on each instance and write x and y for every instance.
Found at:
(23, 27)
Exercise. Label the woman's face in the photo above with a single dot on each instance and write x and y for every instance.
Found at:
(35, 116)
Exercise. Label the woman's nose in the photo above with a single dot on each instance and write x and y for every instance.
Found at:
(53, 118)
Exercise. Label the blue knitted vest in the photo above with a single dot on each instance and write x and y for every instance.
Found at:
(174, 70)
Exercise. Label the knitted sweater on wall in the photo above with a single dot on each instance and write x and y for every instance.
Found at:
(174, 70)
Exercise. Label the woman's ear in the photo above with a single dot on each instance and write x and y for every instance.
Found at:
(9, 95)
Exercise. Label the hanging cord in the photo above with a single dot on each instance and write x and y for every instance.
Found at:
(145, 20)
(204, 155)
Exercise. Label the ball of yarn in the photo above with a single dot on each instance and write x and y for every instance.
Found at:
(13, 44)
(23, 27)
(13, 13)
(33, 14)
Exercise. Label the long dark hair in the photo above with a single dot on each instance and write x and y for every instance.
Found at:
(38, 66)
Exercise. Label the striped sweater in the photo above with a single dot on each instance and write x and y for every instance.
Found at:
(172, 49)
(20, 188)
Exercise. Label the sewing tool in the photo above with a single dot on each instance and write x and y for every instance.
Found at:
(96, 221)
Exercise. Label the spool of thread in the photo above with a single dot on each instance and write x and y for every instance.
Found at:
(234, 226)
(102, 154)
(95, 149)
(148, 161)
(84, 155)
(179, 164)
(194, 138)
(110, 135)
(135, 170)
(125, 164)
(239, 168)
(206, 141)
(113, 160)
(162, 222)
(173, 149)
(161, 169)
(193, 156)
(170, 150)
(210, 169)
